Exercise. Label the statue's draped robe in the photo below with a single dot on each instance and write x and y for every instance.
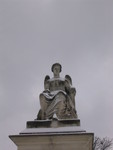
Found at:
(57, 98)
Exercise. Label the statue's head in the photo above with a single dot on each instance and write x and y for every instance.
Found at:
(56, 64)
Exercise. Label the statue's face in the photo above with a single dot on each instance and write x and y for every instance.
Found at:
(56, 70)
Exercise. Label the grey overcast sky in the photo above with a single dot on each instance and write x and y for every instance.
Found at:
(34, 34)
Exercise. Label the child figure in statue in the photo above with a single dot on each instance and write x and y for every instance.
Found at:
(58, 96)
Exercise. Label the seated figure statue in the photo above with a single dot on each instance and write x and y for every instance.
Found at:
(58, 97)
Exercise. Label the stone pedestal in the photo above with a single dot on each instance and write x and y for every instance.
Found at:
(57, 101)
(52, 137)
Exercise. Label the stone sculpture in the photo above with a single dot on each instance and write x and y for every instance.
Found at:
(58, 96)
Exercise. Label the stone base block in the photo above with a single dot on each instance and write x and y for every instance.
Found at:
(52, 123)
(54, 141)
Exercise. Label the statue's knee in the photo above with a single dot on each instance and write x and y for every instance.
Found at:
(42, 100)
(62, 96)
(42, 97)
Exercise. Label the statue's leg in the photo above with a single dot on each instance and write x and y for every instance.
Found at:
(57, 106)
(70, 111)
(61, 105)
(44, 105)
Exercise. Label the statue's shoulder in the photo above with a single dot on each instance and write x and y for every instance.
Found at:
(56, 79)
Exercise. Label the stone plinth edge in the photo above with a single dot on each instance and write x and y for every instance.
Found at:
(79, 141)
(52, 123)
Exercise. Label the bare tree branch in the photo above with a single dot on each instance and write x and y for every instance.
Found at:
(102, 144)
